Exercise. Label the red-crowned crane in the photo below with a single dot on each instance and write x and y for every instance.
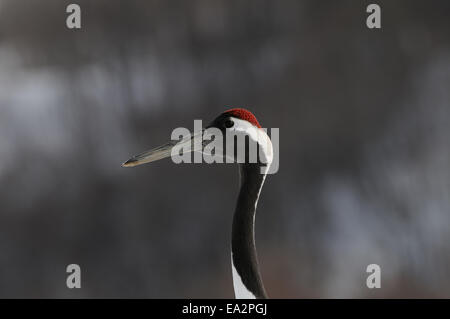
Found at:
(241, 123)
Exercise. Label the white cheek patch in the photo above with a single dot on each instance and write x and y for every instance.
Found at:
(243, 128)
(240, 291)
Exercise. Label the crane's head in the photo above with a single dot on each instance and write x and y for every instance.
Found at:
(241, 135)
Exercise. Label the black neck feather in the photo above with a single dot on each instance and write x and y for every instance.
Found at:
(243, 235)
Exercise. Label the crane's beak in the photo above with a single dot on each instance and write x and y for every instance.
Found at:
(192, 143)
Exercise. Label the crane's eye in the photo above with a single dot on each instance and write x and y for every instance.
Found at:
(229, 123)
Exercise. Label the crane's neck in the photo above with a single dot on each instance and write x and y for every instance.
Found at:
(246, 277)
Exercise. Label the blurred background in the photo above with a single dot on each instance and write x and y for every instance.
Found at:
(364, 146)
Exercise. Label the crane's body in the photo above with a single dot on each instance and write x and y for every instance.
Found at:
(247, 280)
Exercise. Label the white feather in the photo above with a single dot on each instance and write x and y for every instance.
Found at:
(240, 291)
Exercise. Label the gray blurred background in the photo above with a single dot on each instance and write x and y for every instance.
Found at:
(364, 157)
